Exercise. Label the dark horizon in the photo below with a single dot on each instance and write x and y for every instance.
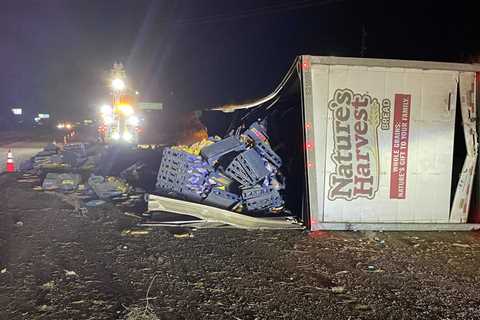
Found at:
(55, 54)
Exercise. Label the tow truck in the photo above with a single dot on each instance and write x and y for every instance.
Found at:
(120, 122)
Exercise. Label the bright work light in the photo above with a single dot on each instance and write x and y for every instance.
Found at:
(118, 84)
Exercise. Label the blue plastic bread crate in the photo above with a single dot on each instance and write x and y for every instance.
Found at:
(253, 165)
(215, 151)
(222, 199)
(265, 201)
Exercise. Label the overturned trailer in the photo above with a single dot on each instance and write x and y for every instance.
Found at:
(366, 143)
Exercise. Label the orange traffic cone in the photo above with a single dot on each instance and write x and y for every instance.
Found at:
(10, 162)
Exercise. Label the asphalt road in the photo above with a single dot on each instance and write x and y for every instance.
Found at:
(21, 151)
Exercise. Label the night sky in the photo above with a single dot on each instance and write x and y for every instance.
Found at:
(55, 54)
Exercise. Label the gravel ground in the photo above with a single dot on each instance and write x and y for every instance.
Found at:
(56, 263)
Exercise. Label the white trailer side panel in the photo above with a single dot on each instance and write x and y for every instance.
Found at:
(386, 155)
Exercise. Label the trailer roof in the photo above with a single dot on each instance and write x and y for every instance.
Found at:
(391, 63)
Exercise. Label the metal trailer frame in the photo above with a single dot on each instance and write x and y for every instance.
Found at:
(315, 202)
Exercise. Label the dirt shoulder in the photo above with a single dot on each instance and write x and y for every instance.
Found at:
(57, 263)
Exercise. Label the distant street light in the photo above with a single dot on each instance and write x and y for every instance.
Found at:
(44, 115)
(17, 111)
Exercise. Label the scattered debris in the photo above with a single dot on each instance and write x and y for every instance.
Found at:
(64, 182)
(50, 181)
(461, 245)
(362, 307)
(183, 235)
(374, 269)
(68, 181)
(133, 215)
(69, 273)
(341, 272)
(19, 224)
(95, 203)
(107, 188)
(26, 165)
(140, 313)
(27, 180)
(82, 211)
(143, 313)
(45, 308)
(338, 290)
(240, 173)
(135, 232)
(197, 146)
(48, 285)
